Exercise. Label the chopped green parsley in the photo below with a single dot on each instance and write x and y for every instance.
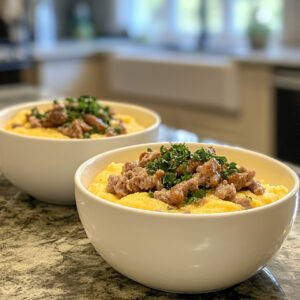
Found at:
(193, 197)
(151, 194)
(179, 155)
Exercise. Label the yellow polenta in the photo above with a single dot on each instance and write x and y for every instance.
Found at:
(20, 118)
(209, 204)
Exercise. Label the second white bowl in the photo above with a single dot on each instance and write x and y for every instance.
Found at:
(44, 168)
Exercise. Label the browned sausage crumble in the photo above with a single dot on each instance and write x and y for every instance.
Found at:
(78, 118)
(177, 176)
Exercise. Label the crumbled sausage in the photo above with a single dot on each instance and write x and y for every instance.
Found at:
(175, 196)
(15, 125)
(119, 123)
(140, 181)
(163, 195)
(134, 179)
(34, 122)
(118, 127)
(117, 185)
(145, 157)
(191, 166)
(94, 121)
(128, 168)
(157, 178)
(241, 180)
(225, 191)
(180, 191)
(111, 132)
(122, 127)
(73, 131)
(208, 174)
(55, 117)
(256, 187)
(243, 201)
(84, 126)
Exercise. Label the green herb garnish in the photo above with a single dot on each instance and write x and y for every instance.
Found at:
(170, 159)
(193, 197)
(179, 155)
(149, 150)
(70, 100)
(204, 156)
(37, 114)
(186, 174)
(117, 130)
(76, 108)
(170, 179)
(86, 135)
(228, 169)
(94, 130)
(72, 115)
(151, 194)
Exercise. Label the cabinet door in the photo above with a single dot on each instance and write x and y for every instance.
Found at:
(74, 77)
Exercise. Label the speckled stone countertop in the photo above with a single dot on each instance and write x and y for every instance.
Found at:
(45, 254)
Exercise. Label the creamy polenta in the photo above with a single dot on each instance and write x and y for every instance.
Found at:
(25, 128)
(208, 204)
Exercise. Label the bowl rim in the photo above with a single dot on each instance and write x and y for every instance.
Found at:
(88, 194)
(24, 105)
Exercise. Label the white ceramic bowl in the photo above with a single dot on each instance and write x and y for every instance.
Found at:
(187, 253)
(44, 167)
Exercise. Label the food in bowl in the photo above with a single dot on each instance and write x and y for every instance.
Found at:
(187, 253)
(82, 117)
(44, 167)
(177, 180)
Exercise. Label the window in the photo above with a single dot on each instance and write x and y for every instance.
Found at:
(175, 22)
(146, 18)
(271, 12)
(215, 17)
(187, 17)
(164, 21)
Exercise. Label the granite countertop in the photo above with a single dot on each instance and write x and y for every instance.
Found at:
(45, 254)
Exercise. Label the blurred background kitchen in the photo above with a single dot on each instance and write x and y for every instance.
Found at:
(228, 70)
